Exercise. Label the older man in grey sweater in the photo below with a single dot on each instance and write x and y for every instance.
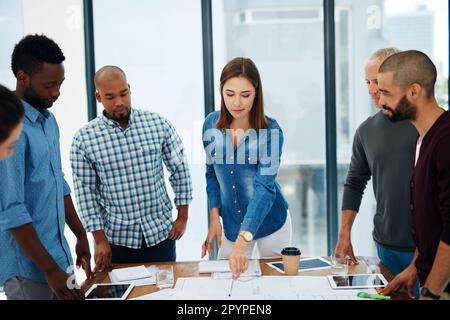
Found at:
(383, 150)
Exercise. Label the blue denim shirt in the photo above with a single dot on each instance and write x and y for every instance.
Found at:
(241, 181)
(32, 190)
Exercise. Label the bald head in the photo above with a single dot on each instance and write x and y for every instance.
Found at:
(409, 67)
(109, 73)
(113, 92)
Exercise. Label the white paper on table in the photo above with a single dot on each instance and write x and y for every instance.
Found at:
(150, 274)
(264, 288)
(166, 294)
(222, 266)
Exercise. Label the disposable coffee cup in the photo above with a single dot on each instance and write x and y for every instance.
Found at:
(291, 260)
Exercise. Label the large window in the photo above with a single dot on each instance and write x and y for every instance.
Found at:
(285, 40)
(11, 30)
(362, 27)
(159, 46)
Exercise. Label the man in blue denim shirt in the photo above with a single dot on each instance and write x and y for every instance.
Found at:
(35, 200)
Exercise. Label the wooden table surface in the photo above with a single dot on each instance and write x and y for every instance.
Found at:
(190, 269)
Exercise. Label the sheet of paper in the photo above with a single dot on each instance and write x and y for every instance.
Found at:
(166, 294)
(149, 272)
(263, 288)
(131, 273)
(222, 266)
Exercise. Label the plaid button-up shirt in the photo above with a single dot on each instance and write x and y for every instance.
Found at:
(119, 178)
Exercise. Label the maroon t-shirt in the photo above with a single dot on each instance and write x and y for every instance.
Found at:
(430, 195)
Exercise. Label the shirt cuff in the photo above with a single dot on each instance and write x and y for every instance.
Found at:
(14, 217)
(249, 225)
(183, 201)
(214, 202)
(93, 225)
(66, 188)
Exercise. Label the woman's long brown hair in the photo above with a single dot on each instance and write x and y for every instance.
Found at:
(243, 67)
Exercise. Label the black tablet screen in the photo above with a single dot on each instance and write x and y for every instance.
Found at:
(108, 291)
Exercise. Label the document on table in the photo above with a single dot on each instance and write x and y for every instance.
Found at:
(165, 294)
(139, 275)
(221, 268)
(261, 288)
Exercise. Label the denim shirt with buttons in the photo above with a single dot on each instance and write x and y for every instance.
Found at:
(241, 180)
(32, 190)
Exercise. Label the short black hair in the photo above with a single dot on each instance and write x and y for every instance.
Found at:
(32, 51)
(11, 112)
(410, 67)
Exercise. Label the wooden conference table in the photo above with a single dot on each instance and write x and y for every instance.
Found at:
(190, 269)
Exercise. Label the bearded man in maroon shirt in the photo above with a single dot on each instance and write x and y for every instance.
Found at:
(406, 82)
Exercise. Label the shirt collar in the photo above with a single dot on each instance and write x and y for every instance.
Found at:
(32, 113)
(114, 123)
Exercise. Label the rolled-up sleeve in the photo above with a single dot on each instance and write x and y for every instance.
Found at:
(66, 188)
(13, 212)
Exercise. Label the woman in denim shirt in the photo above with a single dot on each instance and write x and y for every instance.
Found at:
(243, 152)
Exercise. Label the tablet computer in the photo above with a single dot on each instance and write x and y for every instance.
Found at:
(357, 281)
(109, 291)
(305, 264)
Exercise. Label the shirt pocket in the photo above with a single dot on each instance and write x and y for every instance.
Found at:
(149, 154)
(150, 150)
(148, 162)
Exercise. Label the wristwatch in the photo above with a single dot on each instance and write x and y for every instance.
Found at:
(427, 293)
(248, 236)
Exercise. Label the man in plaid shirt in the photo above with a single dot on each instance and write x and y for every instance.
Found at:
(119, 180)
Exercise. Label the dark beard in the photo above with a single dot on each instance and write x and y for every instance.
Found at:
(33, 99)
(404, 111)
(121, 118)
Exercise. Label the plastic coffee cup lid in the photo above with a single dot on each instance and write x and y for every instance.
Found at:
(290, 251)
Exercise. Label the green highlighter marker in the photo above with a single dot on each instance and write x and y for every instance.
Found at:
(372, 296)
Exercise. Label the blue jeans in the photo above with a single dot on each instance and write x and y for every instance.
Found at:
(396, 261)
(163, 251)
(19, 288)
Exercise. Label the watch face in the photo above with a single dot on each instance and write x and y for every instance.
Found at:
(248, 236)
